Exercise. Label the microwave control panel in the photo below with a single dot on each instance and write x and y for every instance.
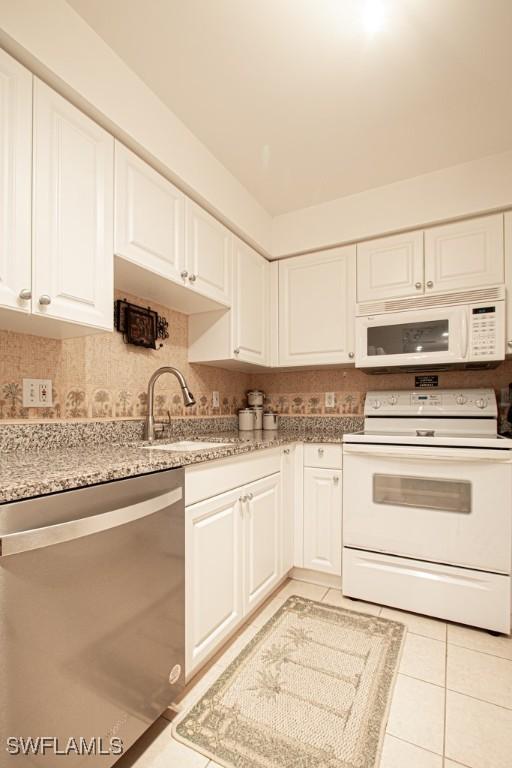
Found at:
(483, 331)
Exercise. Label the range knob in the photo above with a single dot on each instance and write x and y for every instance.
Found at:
(393, 400)
(460, 399)
(481, 402)
(376, 404)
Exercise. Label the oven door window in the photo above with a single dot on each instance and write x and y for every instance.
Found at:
(423, 492)
(408, 338)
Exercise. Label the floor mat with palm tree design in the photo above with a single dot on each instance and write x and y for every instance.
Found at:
(311, 690)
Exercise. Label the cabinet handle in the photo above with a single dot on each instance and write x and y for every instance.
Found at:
(25, 294)
(430, 284)
(45, 300)
(184, 274)
(192, 278)
(351, 355)
(236, 351)
(417, 286)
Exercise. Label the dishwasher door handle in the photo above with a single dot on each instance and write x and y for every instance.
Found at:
(37, 538)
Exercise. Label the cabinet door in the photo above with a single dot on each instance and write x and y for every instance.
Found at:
(15, 182)
(262, 539)
(465, 254)
(317, 307)
(250, 314)
(213, 578)
(322, 520)
(208, 254)
(149, 216)
(390, 267)
(73, 218)
(508, 279)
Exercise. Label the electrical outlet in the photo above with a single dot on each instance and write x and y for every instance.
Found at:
(37, 393)
(330, 400)
(215, 400)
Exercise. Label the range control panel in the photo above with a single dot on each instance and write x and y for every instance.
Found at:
(438, 402)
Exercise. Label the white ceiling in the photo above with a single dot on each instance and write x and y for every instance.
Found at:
(304, 103)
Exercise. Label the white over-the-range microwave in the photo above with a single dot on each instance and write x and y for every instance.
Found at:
(465, 330)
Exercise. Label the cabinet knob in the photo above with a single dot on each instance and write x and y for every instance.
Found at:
(184, 274)
(25, 294)
(351, 355)
(45, 300)
(287, 451)
(430, 284)
(336, 480)
(250, 496)
(192, 278)
(320, 451)
(417, 286)
(242, 499)
(236, 351)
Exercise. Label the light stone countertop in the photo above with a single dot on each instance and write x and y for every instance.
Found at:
(28, 474)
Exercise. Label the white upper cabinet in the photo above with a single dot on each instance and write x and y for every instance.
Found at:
(72, 276)
(390, 267)
(464, 254)
(149, 216)
(262, 538)
(250, 315)
(15, 183)
(317, 307)
(208, 254)
(508, 279)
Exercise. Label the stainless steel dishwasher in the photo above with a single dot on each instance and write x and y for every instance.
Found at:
(92, 634)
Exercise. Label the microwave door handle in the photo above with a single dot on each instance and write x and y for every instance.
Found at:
(24, 541)
(464, 335)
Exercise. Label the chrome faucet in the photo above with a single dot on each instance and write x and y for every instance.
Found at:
(188, 397)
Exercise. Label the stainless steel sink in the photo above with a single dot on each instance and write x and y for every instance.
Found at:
(185, 446)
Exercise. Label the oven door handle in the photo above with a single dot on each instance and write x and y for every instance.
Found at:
(412, 453)
(37, 538)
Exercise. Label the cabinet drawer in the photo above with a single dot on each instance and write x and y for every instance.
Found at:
(323, 455)
(457, 594)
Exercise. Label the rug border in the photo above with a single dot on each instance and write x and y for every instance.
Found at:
(219, 761)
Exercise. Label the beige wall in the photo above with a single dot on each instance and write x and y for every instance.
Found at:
(99, 376)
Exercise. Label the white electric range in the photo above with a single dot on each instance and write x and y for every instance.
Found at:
(427, 506)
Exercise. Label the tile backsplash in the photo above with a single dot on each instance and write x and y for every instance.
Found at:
(101, 377)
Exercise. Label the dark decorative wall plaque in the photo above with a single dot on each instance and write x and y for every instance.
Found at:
(141, 326)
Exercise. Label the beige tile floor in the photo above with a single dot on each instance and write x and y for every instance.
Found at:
(451, 706)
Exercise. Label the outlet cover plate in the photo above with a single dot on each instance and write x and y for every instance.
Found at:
(37, 393)
(330, 399)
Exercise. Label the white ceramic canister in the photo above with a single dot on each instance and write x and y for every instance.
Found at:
(255, 397)
(246, 419)
(270, 420)
(258, 417)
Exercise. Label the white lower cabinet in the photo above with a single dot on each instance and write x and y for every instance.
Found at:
(233, 561)
(213, 532)
(322, 519)
(508, 280)
(261, 505)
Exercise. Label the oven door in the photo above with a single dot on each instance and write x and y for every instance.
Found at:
(423, 337)
(438, 504)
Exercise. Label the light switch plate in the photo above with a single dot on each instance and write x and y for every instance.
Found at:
(215, 400)
(37, 393)
(330, 399)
